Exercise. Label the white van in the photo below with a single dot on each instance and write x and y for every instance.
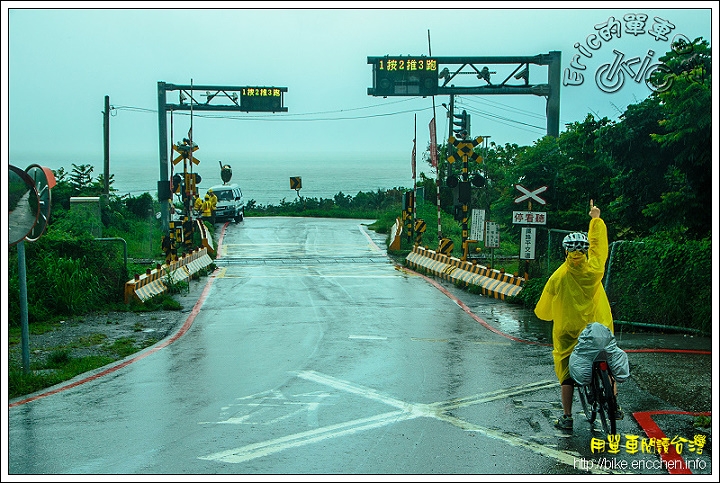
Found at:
(230, 202)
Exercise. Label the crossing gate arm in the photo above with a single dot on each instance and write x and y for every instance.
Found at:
(207, 241)
(155, 282)
(395, 233)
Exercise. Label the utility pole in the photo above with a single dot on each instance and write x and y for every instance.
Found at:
(106, 146)
(218, 98)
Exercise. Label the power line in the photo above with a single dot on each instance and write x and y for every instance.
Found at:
(131, 108)
(284, 117)
(505, 107)
(505, 120)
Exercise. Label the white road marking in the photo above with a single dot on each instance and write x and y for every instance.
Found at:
(257, 450)
(437, 410)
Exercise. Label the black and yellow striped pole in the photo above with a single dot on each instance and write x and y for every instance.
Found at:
(420, 227)
(408, 215)
(446, 246)
(169, 243)
(187, 228)
(466, 150)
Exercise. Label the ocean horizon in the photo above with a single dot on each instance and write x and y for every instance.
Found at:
(267, 181)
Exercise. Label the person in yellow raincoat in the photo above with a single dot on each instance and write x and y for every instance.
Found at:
(213, 205)
(207, 209)
(574, 297)
(197, 204)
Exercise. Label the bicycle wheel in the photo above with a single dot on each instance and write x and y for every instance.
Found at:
(586, 399)
(607, 405)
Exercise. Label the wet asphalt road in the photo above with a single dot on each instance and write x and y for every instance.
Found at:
(310, 353)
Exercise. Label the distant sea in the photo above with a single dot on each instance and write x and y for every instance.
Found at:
(268, 181)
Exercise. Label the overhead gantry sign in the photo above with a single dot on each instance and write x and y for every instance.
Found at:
(431, 76)
(207, 98)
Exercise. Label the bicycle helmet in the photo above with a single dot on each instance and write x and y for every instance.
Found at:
(576, 242)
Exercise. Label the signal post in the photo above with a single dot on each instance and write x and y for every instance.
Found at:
(465, 149)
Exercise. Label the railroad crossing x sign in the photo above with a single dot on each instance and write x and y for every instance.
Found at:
(184, 150)
(530, 194)
(465, 148)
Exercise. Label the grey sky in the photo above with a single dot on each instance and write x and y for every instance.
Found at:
(59, 64)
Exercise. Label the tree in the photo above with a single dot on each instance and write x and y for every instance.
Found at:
(640, 165)
(81, 177)
(687, 136)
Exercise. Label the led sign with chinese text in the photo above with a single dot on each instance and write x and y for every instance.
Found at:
(404, 76)
(406, 64)
(262, 99)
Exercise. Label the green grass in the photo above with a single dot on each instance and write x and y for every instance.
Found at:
(89, 341)
(122, 347)
(702, 422)
(60, 367)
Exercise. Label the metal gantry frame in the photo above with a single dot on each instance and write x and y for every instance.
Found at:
(217, 98)
(516, 83)
(521, 74)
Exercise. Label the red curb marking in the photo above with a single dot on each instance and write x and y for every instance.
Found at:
(672, 460)
(188, 323)
(471, 314)
(489, 327)
(684, 351)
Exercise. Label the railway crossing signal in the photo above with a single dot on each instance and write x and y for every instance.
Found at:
(185, 150)
(463, 124)
(217, 98)
(465, 149)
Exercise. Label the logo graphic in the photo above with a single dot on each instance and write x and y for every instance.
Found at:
(611, 76)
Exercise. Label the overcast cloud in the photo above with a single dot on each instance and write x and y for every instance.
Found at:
(60, 63)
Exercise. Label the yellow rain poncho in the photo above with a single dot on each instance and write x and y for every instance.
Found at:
(197, 205)
(574, 297)
(207, 208)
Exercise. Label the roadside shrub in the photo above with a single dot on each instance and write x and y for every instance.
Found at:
(74, 289)
(530, 293)
(662, 282)
(140, 206)
(58, 358)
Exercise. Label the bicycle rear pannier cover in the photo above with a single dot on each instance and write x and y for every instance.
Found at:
(594, 339)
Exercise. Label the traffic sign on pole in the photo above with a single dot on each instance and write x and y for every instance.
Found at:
(527, 243)
(529, 217)
(530, 195)
(492, 235)
(477, 226)
(44, 180)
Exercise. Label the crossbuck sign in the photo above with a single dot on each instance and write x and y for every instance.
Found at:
(530, 195)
